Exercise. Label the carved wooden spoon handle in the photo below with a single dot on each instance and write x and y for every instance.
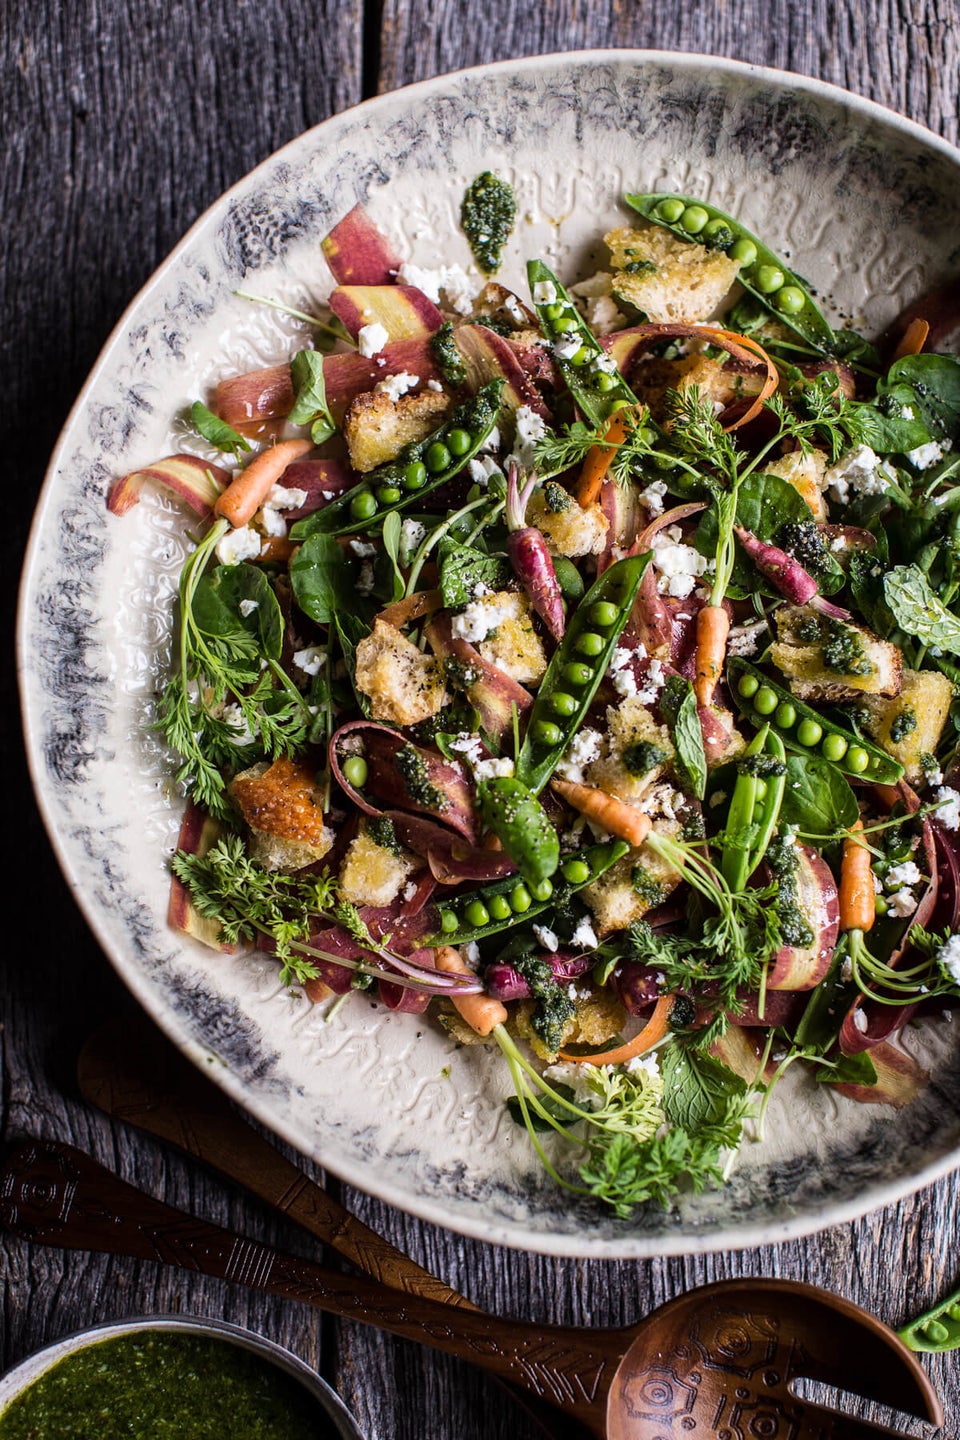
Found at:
(55, 1194)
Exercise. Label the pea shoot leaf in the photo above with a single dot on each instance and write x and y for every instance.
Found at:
(920, 612)
(679, 706)
(388, 583)
(216, 431)
(310, 406)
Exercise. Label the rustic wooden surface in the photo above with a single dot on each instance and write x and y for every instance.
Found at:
(121, 121)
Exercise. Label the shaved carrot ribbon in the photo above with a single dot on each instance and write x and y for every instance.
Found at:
(652, 1033)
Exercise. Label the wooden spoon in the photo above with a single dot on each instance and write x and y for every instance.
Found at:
(716, 1362)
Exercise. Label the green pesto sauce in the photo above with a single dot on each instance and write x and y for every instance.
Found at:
(155, 1385)
(487, 214)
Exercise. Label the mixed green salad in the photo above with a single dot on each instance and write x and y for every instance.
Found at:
(582, 666)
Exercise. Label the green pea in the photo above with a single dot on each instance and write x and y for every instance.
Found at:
(647, 436)
(459, 441)
(743, 250)
(765, 701)
(576, 674)
(605, 382)
(747, 686)
(790, 300)
(716, 227)
(874, 762)
(834, 747)
(693, 219)
(541, 889)
(670, 210)
(563, 704)
(603, 614)
(476, 914)
(576, 871)
(880, 905)
(786, 715)
(547, 733)
(581, 356)
(388, 495)
(619, 405)
(363, 506)
(499, 907)
(857, 759)
(568, 578)
(565, 324)
(520, 899)
(448, 922)
(936, 1332)
(437, 458)
(590, 644)
(954, 1311)
(761, 788)
(555, 309)
(809, 733)
(415, 475)
(355, 771)
(768, 278)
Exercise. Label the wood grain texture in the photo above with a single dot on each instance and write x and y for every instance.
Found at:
(122, 120)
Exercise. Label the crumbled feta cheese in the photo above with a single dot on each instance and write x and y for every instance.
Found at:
(544, 292)
(280, 498)
(480, 618)
(247, 607)
(365, 580)
(680, 565)
(576, 1078)
(661, 801)
(238, 545)
(925, 455)
(482, 469)
(515, 310)
(859, 472)
(860, 1020)
(644, 1065)
(846, 969)
(426, 280)
(309, 660)
(469, 746)
(948, 957)
(602, 314)
(547, 938)
(530, 429)
(372, 339)
(899, 875)
(566, 348)
(902, 903)
(412, 534)
(471, 953)
(743, 639)
(452, 280)
(655, 680)
(435, 385)
(620, 672)
(652, 496)
(585, 936)
(491, 445)
(363, 549)
(490, 769)
(409, 890)
(583, 749)
(948, 807)
(396, 385)
(935, 777)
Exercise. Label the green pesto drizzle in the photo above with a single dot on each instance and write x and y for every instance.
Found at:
(487, 214)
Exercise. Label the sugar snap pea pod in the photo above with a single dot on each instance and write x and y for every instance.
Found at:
(423, 466)
(754, 807)
(936, 1330)
(579, 664)
(521, 825)
(509, 902)
(762, 272)
(588, 372)
(803, 730)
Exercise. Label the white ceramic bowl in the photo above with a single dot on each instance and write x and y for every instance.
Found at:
(868, 208)
(19, 1379)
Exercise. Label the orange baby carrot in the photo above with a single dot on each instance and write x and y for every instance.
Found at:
(481, 1012)
(713, 627)
(858, 898)
(241, 500)
(616, 816)
(598, 459)
(651, 1034)
(913, 339)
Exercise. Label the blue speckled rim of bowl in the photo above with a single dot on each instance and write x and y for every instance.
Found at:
(21, 1376)
(174, 1025)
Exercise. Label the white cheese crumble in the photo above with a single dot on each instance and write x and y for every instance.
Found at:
(900, 875)
(859, 472)
(583, 749)
(233, 716)
(585, 936)
(365, 580)
(602, 314)
(576, 1078)
(860, 1020)
(471, 953)
(547, 938)
(948, 957)
(279, 499)
(247, 607)
(530, 429)
(435, 385)
(620, 672)
(644, 1065)
(490, 769)
(482, 469)
(652, 496)
(309, 660)
(925, 455)
(451, 280)
(743, 639)
(363, 549)
(948, 803)
(544, 292)
(469, 746)
(606, 365)
(566, 348)
(396, 385)
(680, 565)
(412, 534)
(238, 545)
(409, 890)
(372, 339)
(903, 903)
(481, 617)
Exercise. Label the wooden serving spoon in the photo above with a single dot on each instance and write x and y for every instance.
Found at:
(718, 1361)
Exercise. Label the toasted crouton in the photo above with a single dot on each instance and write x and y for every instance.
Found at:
(514, 645)
(654, 376)
(916, 717)
(638, 751)
(372, 874)
(805, 473)
(827, 659)
(599, 1016)
(403, 685)
(283, 806)
(637, 883)
(686, 281)
(569, 529)
(377, 428)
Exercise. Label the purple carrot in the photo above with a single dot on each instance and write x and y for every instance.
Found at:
(530, 557)
(787, 574)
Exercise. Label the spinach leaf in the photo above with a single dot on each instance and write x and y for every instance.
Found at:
(919, 611)
(887, 431)
(817, 798)
(933, 382)
(236, 604)
(696, 1088)
(310, 406)
(820, 1022)
(765, 504)
(462, 568)
(678, 704)
(388, 583)
(552, 1107)
(866, 582)
(323, 577)
(351, 629)
(221, 435)
(849, 1070)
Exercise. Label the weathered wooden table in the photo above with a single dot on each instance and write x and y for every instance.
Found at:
(121, 121)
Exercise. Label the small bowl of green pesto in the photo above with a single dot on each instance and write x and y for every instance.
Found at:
(169, 1377)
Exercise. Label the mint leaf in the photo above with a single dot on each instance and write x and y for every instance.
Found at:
(462, 569)
(697, 1089)
(679, 706)
(920, 612)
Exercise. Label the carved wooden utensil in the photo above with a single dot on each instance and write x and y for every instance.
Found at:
(127, 1069)
(716, 1362)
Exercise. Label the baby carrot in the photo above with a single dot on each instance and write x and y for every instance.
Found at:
(598, 459)
(651, 1034)
(913, 339)
(713, 627)
(858, 899)
(241, 500)
(481, 1012)
(616, 816)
